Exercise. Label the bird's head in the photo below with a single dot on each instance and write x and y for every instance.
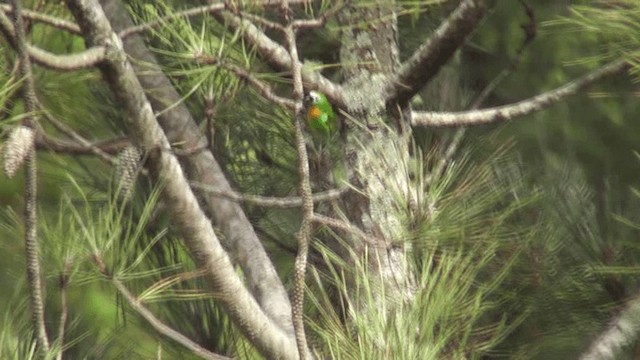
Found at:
(313, 97)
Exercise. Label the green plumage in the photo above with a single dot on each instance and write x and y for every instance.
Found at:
(320, 115)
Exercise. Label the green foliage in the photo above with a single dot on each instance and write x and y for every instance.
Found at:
(519, 252)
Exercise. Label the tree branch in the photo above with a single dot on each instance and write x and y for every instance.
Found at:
(158, 325)
(68, 131)
(429, 58)
(304, 233)
(622, 332)
(278, 57)
(344, 226)
(269, 201)
(85, 59)
(525, 107)
(104, 147)
(177, 122)
(201, 10)
(45, 19)
(530, 32)
(263, 88)
(193, 224)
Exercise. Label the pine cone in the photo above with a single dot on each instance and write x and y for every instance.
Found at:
(17, 148)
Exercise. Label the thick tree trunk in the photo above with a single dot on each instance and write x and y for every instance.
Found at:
(376, 148)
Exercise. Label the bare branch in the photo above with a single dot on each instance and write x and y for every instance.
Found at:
(521, 108)
(530, 32)
(263, 88)
(34, 271)
(45, 19)
(104, 147)
(190, 220)
(429, 58)
(269, 201)
(342, 225)
(620, 335)
(319, 22)
(201, 10)
(82, 60)
(65, 129)
(85, 59)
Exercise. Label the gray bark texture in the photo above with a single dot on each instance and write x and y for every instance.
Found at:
(200, 166)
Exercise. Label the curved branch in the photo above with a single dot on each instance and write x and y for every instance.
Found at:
(82, 60)
(429, 58)
(85, 59)
(45, 19)
(525, 107)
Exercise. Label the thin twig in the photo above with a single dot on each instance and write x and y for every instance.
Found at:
(85, 59)
(278, 57)
(45, 19)
(525, 107)
(270, 201)
(344, 226)
(201, 10)
(106, 148)
(34, 273)
(64, 312)
(263, 88)
(319, 22)
(156, 323)
(67, 130)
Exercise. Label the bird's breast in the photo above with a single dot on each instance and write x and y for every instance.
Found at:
(314, 112)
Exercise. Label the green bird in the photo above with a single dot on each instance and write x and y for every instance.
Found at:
(320, 115)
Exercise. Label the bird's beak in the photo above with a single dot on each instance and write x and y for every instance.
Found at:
(307, 99)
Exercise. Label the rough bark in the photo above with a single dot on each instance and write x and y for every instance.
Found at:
(188, 217)
(374, 147)
(201, 167)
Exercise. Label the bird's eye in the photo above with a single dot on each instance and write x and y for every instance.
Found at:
(314, 96)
